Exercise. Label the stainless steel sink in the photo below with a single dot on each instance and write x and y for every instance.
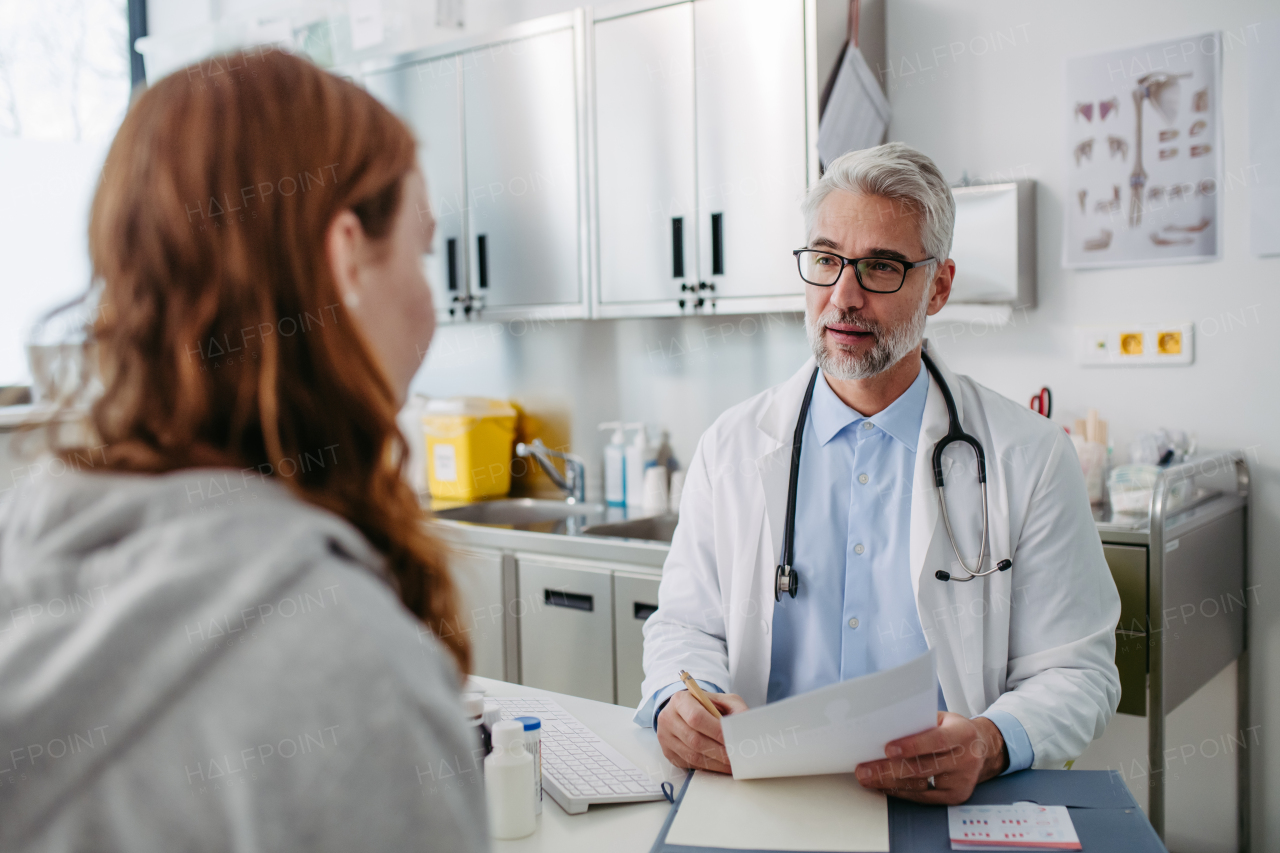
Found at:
(527, 514)
(658, 528)
(549, 516)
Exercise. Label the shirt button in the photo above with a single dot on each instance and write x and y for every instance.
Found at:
(862, 478)
(858, 549)
(867, 424)
(853, 623)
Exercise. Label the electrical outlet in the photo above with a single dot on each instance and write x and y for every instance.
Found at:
(1135, 344)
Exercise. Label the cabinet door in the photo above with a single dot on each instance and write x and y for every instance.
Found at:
(752, 157)
(566, 627)
(522, 164)
(635, 598)
(1128, 564)
(427, 95)
(478, 575)
(646, 188)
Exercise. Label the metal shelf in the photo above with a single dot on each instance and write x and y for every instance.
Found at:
(1195, 554)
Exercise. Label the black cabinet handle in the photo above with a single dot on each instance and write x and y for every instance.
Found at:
(482, 246)
(717, 244)
(451, 249)
(572, 600)
(677, 247)
(644, 611)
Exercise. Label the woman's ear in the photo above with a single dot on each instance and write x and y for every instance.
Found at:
(344, 243)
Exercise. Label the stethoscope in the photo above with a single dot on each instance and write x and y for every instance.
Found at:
(787, 578)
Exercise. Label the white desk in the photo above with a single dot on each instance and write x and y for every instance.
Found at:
(621, 828)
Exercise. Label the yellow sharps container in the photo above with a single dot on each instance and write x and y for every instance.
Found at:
(469, 441)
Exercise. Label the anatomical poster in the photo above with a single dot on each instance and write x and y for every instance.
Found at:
(1144, 155)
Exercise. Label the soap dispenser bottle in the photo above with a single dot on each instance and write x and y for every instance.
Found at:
(639, 453)
(615, 484)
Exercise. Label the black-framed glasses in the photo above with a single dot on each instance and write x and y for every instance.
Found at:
(877, 275)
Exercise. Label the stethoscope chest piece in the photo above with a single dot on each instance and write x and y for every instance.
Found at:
(785, 580)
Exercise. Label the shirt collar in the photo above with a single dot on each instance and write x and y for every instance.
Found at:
(901, 419)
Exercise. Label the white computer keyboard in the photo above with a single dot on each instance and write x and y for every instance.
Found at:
(578, 768)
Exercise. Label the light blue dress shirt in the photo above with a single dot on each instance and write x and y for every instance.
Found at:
(855, 611)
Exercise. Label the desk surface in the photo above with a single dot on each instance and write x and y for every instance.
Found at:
(635, 826)
(620, 828)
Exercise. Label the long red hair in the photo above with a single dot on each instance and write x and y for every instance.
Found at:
(221, 338)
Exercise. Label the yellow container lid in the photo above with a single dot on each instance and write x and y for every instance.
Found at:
(476, 407)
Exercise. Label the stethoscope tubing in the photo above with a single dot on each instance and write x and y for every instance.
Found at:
(787, 579)
(956, 433)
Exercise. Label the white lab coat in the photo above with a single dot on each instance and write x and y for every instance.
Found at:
(1037, 641)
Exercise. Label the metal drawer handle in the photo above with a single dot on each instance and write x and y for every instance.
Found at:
(677, 247)
(644, 611)
(717, 244)
(572, 600)
(482, 249)
(451, 247)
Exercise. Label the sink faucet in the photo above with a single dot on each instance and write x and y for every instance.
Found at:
(574, 480)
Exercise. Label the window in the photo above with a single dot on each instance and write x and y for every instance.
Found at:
(64, 88)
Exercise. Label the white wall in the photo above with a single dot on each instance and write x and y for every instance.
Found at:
(1002, 114)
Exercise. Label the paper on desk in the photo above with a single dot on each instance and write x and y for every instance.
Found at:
(835, 728)
(810, 813)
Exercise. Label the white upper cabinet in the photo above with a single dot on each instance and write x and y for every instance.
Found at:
(702, 149)
(524, 178)
(652, 165)
(646, 180)
(427, 95)
(501, 126)
(753, 158)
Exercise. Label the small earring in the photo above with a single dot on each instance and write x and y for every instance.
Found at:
(351, 300)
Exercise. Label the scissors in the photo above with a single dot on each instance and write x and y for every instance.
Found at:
(1042, 403)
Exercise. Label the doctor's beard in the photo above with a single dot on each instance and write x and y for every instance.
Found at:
(889, 348)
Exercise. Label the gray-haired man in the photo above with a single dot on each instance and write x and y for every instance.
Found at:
(1026, 675)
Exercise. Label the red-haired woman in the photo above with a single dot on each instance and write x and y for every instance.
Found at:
(224, 626)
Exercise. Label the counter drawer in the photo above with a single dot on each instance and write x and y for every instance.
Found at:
(1131, 660)
(635, 597)
(1128, 565)
(478, 577)
(566, 627)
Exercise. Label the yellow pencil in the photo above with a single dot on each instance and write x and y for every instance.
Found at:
(699, 694)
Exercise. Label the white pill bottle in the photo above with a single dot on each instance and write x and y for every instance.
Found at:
(508, 783)
(533, 746)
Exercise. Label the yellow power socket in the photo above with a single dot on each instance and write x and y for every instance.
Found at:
(1169, 343)
(1131, 343)
(1134, 344)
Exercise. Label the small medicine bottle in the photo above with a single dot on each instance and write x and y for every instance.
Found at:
(492, 715)
(473, 707)
(508, 778)
(533, 746)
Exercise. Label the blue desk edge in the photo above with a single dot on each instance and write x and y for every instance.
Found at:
(1106, 816)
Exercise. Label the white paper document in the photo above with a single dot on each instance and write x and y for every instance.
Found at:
(810, 813)
(1021, 826)
(835, 728)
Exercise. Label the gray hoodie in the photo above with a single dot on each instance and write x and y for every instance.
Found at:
(201, 661)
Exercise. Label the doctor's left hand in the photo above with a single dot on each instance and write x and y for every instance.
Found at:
(958, 754)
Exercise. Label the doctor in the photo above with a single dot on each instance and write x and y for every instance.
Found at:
(1025, 657)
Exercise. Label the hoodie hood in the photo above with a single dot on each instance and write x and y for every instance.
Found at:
(115, 590)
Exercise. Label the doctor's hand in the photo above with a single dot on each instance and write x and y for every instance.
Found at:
(958, 754)
(690, 737)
